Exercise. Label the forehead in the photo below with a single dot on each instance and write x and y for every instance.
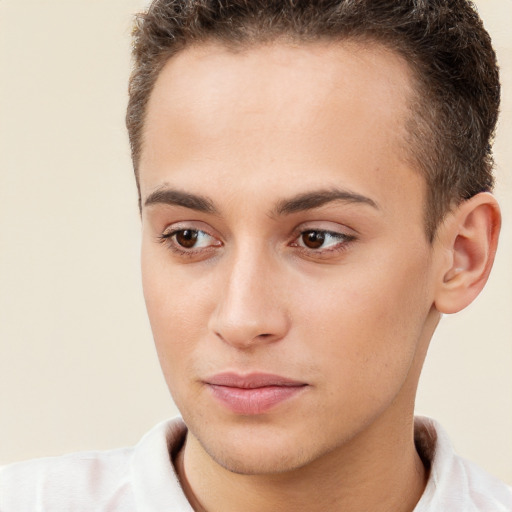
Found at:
(279, 109)
(209, 78)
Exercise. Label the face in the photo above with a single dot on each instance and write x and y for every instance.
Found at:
(286, 269)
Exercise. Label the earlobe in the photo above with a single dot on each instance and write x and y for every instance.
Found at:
(469, 237)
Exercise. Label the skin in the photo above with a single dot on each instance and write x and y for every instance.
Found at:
(248, 133)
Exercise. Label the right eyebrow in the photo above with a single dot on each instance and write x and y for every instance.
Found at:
(178, 198)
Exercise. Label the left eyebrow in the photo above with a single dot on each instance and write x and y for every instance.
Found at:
(318, 198)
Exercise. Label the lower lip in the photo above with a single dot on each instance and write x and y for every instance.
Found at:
(254, 400)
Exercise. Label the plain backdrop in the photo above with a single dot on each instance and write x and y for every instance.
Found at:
(77, 366)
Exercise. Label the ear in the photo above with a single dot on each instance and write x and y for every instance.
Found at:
(468, 238)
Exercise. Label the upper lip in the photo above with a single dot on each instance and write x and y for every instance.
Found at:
(251, 380)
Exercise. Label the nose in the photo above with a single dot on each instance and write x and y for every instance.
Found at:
(251, 309)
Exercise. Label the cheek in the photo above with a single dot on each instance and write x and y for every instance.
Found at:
(175, 327)
(366, 325)
(174, 304)
(173, 293)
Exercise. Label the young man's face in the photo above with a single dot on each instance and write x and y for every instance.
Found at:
(284, 249)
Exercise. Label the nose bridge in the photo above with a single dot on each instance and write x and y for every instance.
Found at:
(250, 310)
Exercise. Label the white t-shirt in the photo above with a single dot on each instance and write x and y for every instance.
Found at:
(142, 478)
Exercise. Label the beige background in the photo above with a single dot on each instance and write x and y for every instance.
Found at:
(77, 366)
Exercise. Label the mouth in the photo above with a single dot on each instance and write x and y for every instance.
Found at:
(252, 394)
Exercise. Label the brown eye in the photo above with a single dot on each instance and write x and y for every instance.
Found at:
(186, 238)
(313, 239)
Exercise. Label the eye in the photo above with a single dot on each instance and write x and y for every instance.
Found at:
(313, 239)
(185, 240)
(187, 237)
(321, 240)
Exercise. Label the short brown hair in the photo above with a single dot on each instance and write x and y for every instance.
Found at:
(456, 105)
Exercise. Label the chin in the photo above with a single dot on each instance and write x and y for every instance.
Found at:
(256, 461)
(255, 450)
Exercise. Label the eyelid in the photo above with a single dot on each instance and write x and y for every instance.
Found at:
(331, 227)
(170, 233)
(345, 235)
(167, 238)
(193, 225)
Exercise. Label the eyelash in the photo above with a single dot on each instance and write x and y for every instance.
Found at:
(168, 238)
(343, 241)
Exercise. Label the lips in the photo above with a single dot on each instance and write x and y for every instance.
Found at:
(252, 394)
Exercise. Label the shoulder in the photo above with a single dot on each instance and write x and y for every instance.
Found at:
(484, 489)
(455, 484)
(104, 481)
(74, 481)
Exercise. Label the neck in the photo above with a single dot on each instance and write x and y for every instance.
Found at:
(370, 474)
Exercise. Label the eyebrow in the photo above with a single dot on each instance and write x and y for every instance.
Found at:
(318, 198)
(298, 203)
(179, 198)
